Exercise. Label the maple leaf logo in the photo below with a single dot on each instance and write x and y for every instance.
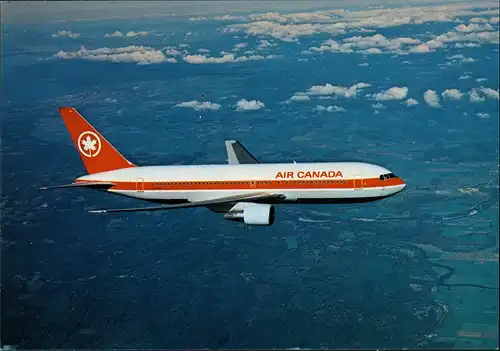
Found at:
(89, 144)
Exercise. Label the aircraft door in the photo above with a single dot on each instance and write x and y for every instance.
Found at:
(358, 182)
(139, 185)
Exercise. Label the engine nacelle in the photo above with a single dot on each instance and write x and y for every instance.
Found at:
(250, 213)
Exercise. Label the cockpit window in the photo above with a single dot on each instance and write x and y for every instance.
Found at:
(387, 176)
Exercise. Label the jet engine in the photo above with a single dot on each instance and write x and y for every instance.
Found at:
(250, 213)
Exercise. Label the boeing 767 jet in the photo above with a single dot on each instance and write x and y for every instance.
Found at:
(244, 189)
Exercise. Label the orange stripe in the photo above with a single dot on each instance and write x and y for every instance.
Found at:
(254, 184)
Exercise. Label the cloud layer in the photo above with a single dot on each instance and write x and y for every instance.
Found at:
(66, 33)
(394, 93)
(129, 54)
(290, 27)
(128, 34)
(148, 55)
(252, 105)
(432, 98)
(200, 106)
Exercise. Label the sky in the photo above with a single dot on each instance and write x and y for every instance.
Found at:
(62, 11)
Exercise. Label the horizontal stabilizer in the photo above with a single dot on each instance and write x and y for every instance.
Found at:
(95, 185)
(218, 201)
(238, 154)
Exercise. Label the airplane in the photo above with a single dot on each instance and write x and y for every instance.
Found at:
(245, 190)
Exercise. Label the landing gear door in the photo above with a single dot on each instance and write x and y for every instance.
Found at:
(358, 182)
(139, 185)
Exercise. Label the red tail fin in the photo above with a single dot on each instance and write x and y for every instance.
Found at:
(97, 154)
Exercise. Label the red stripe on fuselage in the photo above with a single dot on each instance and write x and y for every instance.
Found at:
(331, 184)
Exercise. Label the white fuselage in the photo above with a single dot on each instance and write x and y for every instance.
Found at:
(298, 182)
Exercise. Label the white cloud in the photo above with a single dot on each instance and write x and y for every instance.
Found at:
(363, 30)
(490, 93)
(128, 34)
(115, 34)
(281, 25)
(203, 50)
(364, 64)
(411, 102)
(291, 26)
(264, 44)
(200, 18)
(379, 40)
(459, 59)
(227, 58)
(66, 33)
(295, 17)
(431, 98)
(136, 34)
(245, 105)
(331, 108)
(376, 44)
(229, 18)
(379, 44)
(464, 77)
(467, 45)
(474, 96)
(171, 51)
(475, 37)
(478, 20)
(394, 93)
(240, 46)
(420, 49)
(378, 105)
(474, 27)
(199, 106)
(468, 59)
(452, 94)
(129, 54)
(479, 80)
(285, 32)
(298, 97)
(472, 35)
(340, 91)
(482, 115)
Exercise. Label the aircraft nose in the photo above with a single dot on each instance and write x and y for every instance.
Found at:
(401, 186)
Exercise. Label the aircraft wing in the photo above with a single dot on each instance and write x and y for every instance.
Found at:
(238, 154)
(217, 201)
(95, 185)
